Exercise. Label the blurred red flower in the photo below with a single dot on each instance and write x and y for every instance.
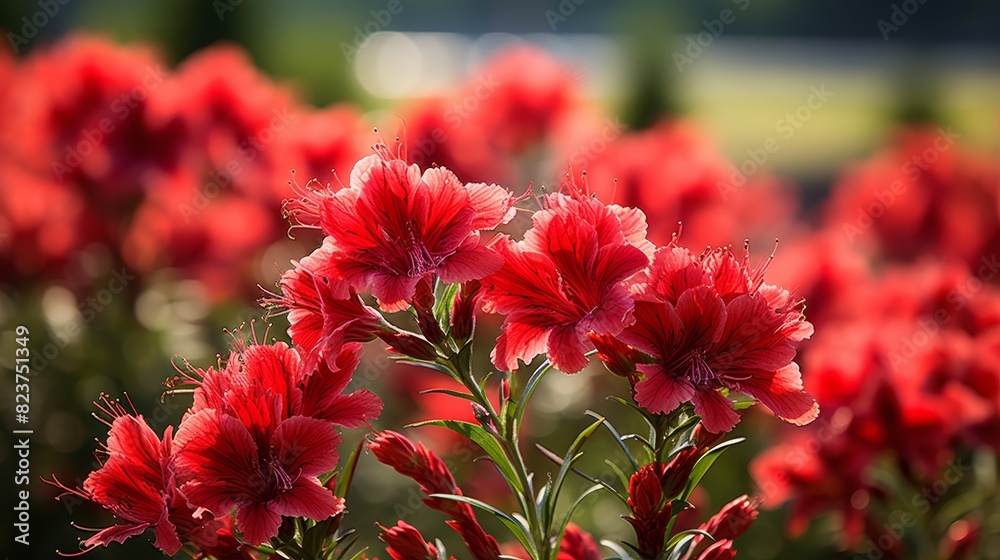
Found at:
(924, 194)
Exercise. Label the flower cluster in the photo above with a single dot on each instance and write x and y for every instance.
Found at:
(258, 442)
(257, 449)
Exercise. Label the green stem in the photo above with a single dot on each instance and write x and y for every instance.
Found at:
(509, 442)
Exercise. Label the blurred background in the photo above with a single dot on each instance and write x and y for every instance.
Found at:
(145, 149)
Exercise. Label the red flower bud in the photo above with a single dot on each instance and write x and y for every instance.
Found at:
(463, 312)
(409, 344)
(679, 470)
(431, 473)
(651, 510)
(618, 357)
(423, 303)
(406, 543)
(721, 550)
(732, 520)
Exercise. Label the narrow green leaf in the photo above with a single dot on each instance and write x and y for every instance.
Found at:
(529, 388)
(680, 428)
(618, 440)
(343, 484)
(705, 463)
(634, 407)
(645, 443)
(443, 305)
(568, 516)
(478, 435)
(689, 534)
(521, 532)
(572, 454)
(618, 472)
(344, 548)
(618, 549)
(449, 392)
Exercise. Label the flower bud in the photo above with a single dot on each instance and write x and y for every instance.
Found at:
(404, 542)
(463, 312)
(679, 470)
(721, 550)
(618, 357)
(423, 303)
(483, 417)
(651, 510)
(409, 344)
(732, 520)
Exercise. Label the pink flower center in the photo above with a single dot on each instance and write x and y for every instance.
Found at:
(419, 258)
(699, 372)
(281, 481)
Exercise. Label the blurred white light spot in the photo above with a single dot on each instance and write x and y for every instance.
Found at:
(59, 307)
(390, 65)
(153, 309)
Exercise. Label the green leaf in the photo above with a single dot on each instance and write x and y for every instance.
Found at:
(529, 389)
(572, 454)
(478, 435)
(313, 538)
(345, 547)
(343, 483)
(618, 472)
(618, 440)
(443, 305)
(743, 403)
(645, 443)
(567, 517)
(425, 364)
(642, 412)
(602, 484)
(519, 530)
(617, 549)
(705, 463)
(680, 428)
(679, 543)
(449, 392)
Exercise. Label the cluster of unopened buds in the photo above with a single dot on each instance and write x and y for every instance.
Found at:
(252, 470)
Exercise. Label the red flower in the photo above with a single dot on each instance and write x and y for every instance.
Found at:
(565, 280)
(406, 543)
(428, 470)
(392, 227)
(712, 325)
(275, 374)
(260, 432)
(321, 323)
(136, 483)
(577, 544)
(224, 464)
